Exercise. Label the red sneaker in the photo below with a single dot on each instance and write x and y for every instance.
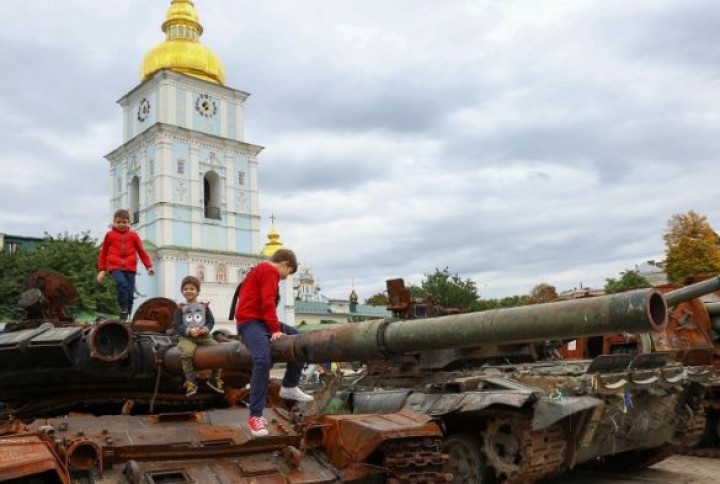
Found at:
(258, 427)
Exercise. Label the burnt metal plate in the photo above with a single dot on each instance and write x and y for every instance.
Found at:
(610, 363)
(52, 347)
(56, 336)
(253, 466)
(548, 411)
(647, 361)
(16, 338)
(379, 402)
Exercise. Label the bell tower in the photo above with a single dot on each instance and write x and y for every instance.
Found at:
(184, 169)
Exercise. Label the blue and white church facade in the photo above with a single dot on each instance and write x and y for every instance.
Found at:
(186, 174)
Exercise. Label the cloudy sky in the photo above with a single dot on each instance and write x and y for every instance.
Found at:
(514, 142)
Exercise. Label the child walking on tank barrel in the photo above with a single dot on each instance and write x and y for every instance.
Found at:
(118, 255)
(193, 323)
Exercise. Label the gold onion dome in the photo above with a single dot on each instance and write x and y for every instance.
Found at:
(182, 51)
(273, 243)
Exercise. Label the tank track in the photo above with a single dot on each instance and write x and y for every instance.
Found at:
(413, 461)
(693, 433)
(520, 455)
(689, 447)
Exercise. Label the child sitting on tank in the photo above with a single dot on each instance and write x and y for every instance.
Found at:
(193, 322)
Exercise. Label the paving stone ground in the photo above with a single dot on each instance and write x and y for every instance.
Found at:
(674, 470)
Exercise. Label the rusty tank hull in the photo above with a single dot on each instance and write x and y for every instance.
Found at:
(89, 419)
(216, 446)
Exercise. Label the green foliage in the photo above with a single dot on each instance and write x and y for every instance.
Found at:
(628, 280)
(450, 291)
(13, 269)
(692, 247)
(416, 291)
(73, 256)
(378, 299)
(506, 302)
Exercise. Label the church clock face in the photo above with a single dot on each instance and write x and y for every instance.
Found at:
(205, 106)
(143, 110)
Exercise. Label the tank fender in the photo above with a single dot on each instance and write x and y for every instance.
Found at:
(548, 411)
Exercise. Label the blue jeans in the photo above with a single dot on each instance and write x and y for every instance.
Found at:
(256, 336)
(125, 285)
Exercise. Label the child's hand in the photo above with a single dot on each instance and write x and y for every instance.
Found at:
(151, 271)
(100, 277)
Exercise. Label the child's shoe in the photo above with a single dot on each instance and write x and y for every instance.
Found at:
(296, 394)
(258, 427)
(217, 384)
(190, 385)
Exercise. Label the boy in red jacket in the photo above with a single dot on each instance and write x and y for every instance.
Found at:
(257, 323)
(118, 254)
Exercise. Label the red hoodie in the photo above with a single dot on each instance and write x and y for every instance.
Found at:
(258, 297)
(119, 251)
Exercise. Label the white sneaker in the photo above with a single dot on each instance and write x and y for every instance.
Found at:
(296, 394)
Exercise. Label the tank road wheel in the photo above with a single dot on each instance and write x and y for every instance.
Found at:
(466, 461)
(503, 446)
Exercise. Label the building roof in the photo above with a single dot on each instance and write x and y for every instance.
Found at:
(326, 308)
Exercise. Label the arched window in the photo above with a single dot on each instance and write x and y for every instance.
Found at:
(211, 195)
(135, 200)
(201, 273)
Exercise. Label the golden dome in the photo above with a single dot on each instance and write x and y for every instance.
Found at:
(273, 243)
(182, 51)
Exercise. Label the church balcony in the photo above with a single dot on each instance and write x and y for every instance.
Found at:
(212, 212)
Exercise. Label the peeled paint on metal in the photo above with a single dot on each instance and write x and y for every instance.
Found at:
(27, 456)
(352, 438)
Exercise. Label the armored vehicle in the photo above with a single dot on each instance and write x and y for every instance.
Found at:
(513, 412)
(101, 402)
(452, 397)
(692, 337)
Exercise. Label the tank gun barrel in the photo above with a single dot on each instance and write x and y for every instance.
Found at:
(693, 291)
(713, 308)
(639, 311)
(636, 311)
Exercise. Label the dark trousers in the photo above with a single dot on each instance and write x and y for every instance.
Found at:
(256, 337)
(125, 284)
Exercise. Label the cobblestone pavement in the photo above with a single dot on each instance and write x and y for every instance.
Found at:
(674, 470)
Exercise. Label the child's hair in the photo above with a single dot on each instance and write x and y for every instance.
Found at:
(121, 213)
(190, 280)
(285, 255)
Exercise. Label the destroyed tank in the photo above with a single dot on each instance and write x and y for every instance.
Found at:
(102, 402)
(84, 401)
(692, 337)
(511, 410)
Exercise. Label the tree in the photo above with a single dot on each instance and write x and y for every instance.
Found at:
(628, 280)
(416, 291)
(543, 293)
(693, 247)
(450, 291)
(73, 256)
(378, 299)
